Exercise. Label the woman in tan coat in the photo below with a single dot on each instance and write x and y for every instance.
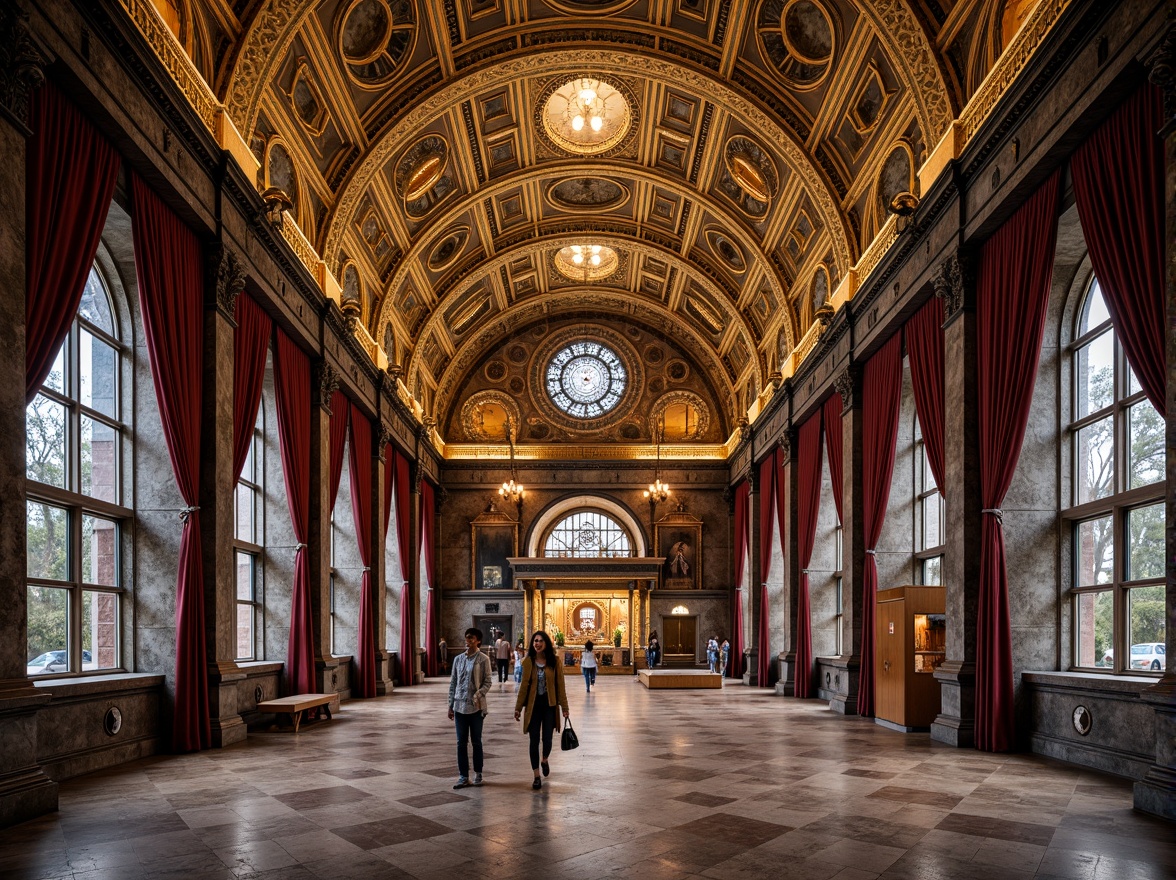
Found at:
(540, 691)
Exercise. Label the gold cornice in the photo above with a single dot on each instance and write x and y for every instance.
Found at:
(584, 452)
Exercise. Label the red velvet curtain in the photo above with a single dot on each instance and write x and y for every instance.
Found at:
(924, 343)
(404, 542)
(1119, 189)
(1012, 293)
(70, 172)
(831, 423)
(881, 399)
(767, 504)
(168, 263)
(428, 503)
(292, 393)
(340, 411)
(360, 471)
(250, 344)
(742, 515)
(808, 490)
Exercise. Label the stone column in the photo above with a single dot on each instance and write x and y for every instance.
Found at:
(1156, 792)
(786, 686)
(751, 652)
(224, 279)
(414, 565)
(25, 790)
(375, 538)
(324, 380)
(853, 544)
(955, 283)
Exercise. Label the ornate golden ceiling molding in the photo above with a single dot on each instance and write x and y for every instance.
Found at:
(263, 50)
(654, 316)
(736, 322)
(557, 63)
(912, 52)
(440, 227)
(586, 452)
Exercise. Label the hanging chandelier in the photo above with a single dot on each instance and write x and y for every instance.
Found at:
(657, 491)
(512, 490)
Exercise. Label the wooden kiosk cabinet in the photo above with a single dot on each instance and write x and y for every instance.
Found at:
(909, 645)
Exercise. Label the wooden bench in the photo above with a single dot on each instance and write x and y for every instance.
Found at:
(297, 705)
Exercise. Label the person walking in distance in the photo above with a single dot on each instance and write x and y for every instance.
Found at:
(502, 655)
(712, 654)
(520, 654)
(724, 656)
(588, 666)
(541, 691)
(652, 651)
(443, 655)
(468, 685)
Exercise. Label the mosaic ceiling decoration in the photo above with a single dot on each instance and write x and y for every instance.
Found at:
(731, 159)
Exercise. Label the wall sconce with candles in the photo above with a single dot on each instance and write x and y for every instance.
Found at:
(277, 203)
(512, 490)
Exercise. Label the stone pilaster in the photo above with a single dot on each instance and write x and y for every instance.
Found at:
(955, 284)
(786, 686)
(324, 380)
(751, 650)
(416, 618)
(224, 279)
(853, 540)
(1156, 792)
(25, 790)
(379, 574)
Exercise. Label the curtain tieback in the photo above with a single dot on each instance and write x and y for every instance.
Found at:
(995, 511)
(301, 545)
(804, 571)
(187, 512)
(367, 568)
(871, 552)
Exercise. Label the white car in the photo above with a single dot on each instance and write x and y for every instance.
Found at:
(54, 661)
(1149, 655)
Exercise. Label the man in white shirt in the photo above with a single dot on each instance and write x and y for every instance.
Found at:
(502, 652)
(468, 685)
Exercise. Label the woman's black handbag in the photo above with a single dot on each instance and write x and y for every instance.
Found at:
(568, 739)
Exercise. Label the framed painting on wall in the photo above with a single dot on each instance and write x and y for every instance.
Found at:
(678, 541)
(494, 537)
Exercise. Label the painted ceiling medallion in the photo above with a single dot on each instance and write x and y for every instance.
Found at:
(422, 177)
(752, 171)
(448, 249)
(375, 39)
(586, 116)
(586, 262)
(420, 174)
(587, 194)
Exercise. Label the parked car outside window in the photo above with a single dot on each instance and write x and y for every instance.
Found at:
(1149, 655)
(55, 661)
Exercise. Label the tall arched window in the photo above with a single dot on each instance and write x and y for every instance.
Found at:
(1117, 503)
(248, 540)
(76, 509)
(587, 534)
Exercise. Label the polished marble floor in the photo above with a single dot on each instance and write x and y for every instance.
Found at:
(666, 784)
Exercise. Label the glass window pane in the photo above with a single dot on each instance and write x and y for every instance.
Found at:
(99, 630)
(932, 521)
(99, 460)
(1096, 620)
(247, 470)
(45, 459)
(1148, 628)
(48, 630)
(1145, 453)
(1133, 385)
(933, 571)
(95, 305)
(592, 534)
(245, 610)
(99, 551)
(55, 381)
(1145, 542)
(48, 541)
(1094, 458)
(245, 576)
(1094, 378)
(1094, 310)
(1096, 552)
(98, 375)
(244, 514)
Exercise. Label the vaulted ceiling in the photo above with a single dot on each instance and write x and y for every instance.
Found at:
(747, 150)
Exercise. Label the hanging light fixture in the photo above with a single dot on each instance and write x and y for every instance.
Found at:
(512, 490)
(657, 491)
(586, 108)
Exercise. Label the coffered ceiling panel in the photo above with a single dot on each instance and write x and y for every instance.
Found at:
(701, 169)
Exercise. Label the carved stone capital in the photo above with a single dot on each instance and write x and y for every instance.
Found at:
(21, 63)
(752, 477)
(954, 283)
(326, 381)
(224, 278)
(786, 444)
(418, 474)
(845, 385)
(1161, 66)
(728, 496)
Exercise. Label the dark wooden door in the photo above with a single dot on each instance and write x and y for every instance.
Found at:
(680, 636)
